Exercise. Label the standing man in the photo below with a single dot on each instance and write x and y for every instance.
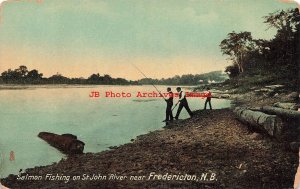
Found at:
(183, 103)
(208, 98)
(169, 100)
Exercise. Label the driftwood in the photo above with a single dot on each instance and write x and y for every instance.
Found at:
(67, 143)
(286, 105)
(280, 123)
(270, 124)
(281, 112)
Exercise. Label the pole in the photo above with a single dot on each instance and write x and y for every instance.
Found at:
(175, 106)
(148, 78)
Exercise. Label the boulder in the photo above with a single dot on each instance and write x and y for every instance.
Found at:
(292, 97)
(67, 143)
(225, 96)
(256, 136)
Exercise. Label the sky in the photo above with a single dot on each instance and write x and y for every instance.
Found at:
(163, 38)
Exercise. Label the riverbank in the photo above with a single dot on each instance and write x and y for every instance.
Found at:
(253, 96)
(212, 143)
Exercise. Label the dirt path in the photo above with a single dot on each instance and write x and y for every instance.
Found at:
(213, 146)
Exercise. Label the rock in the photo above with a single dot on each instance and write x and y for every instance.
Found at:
(275, 87)
(263, 90)
(292, 97)
(256, 136)
(225, 96)
(220, 95)
(67, 143)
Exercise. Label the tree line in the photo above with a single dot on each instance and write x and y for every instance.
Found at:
(275, 58)
(189, 79)
(22, 75)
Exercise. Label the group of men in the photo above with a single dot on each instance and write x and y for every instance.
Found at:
(183, 103)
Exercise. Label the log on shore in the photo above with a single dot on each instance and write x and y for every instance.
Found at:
(286, 105)
(270, 124)
(281, 112)
(67, 143)
(291, 119)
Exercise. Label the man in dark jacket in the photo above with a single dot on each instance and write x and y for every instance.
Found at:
(183, 103)
(169, 100)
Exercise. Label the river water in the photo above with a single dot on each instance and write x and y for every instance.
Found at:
(99, 122)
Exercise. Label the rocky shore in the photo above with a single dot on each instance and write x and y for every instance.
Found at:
(256, 96)
(211, 150)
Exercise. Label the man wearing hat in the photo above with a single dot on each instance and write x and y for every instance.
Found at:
(169, 100)
(183, 103)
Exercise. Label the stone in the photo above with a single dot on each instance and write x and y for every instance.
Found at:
(275, 86)
(67, 143)
(225, 96)
(292, 96)
(256, 136)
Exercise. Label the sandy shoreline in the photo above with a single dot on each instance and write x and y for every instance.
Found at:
(213, 143)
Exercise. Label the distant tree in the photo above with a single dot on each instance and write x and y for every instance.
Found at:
(94, 79)
(21, 72)
(34, 75)
(58, 79)
(107, 79)
(7, 75)
(94, 76)
(188, 79)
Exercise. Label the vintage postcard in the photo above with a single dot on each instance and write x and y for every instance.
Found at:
(149, 94)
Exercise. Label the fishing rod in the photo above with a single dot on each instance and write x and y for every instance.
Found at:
(148, 78)
(175, 106)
